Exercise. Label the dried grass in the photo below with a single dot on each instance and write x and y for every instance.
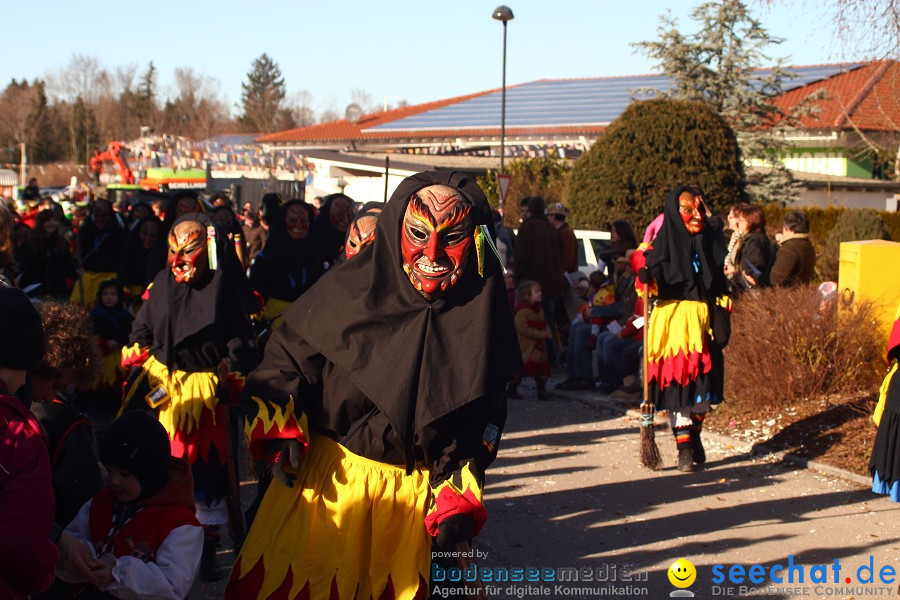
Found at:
(786, 349)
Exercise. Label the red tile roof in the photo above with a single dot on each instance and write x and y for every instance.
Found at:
(867, 98)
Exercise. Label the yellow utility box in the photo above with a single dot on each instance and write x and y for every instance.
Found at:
(870, 270)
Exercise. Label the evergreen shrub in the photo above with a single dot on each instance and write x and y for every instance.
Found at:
(652, 147)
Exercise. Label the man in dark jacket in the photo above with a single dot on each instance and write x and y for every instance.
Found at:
(539, 257)
(556, 215)
(795, 260)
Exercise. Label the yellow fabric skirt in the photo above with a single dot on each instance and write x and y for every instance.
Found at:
(84, 293)
(677, 327)
(348, 522)
(111, 371)
(181, 396)
(272, 311)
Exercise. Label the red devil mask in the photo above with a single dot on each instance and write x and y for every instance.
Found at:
(361, 232)
(296, 221)
(436, 239)
(689, 207)
(187, 251)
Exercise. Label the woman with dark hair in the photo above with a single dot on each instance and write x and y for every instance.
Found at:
(685, 370)
(191, 346)
(331, 226)
(289, 264)
(622, 239)
(143, 257)
(755, 254)
(46, 257)
(100, 243)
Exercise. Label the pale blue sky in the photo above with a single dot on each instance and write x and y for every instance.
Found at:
(419, 50)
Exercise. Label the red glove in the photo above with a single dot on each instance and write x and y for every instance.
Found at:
(592, 342)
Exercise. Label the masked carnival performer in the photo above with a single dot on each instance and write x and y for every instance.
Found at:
(361, 232)
(191, 344)
(690, 324)
(884, 466)
(100, 243)
(289, 264)
(143, 257)
(331, 227)
(380, 402)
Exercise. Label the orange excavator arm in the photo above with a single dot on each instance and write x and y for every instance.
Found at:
(113, 154)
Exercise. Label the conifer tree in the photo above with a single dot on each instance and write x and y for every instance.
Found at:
(722, 64)
(262, 96)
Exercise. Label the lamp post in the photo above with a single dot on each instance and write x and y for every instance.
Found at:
(504, 14)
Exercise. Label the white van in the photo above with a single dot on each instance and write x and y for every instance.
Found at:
(590, 244)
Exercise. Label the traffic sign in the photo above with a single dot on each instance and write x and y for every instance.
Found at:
(503, 180)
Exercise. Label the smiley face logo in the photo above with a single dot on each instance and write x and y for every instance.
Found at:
(682, 573)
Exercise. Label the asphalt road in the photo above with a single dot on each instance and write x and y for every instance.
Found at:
(571, 509)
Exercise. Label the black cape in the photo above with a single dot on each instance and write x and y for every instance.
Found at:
(416, 360)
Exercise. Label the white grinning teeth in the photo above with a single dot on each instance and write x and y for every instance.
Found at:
(432, 269)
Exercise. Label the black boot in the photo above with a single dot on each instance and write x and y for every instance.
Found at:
(686, 460)
(541, 385)
(209, 565)
(512, 390)
(699, 454)
(685, 452)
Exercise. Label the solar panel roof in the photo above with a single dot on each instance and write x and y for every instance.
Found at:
(561, 102)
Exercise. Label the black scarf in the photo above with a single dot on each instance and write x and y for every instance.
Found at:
(671, 258)
(415, 360)
(191, 307)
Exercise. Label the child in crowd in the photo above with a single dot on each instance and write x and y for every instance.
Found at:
(583, 332)
(138, 537)
(27, 554)
(71, 365)
(533, 335)
(112, 326)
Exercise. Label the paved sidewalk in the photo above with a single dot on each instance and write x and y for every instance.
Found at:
(567, 492)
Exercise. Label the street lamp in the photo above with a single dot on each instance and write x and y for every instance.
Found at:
(503, 13)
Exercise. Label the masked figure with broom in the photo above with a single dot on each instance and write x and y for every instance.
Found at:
(690, 323)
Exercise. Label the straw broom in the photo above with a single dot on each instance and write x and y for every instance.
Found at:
(649, 451)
